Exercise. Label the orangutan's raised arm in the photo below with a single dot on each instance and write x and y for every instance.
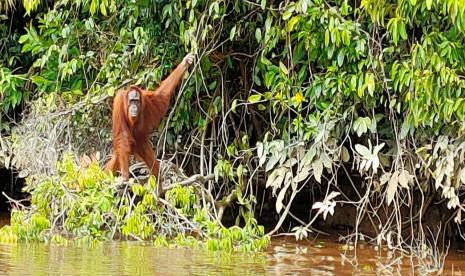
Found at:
(160, 99)
(168, 85)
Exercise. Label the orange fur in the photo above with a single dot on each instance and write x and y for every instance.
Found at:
(133, 137)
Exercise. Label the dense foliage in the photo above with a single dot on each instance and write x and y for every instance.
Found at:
(82, 204)
(297, 93)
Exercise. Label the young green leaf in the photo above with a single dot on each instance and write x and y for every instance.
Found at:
(370, 81)
(326, 37)
(254, 98)
(291, 24)
(287, 14)
(402, 30)
(233, 106)
(340, 58)
(283, 68)
(258, 35)
(429, 3)
(233, 33)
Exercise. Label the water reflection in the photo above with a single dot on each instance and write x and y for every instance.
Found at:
(283, 257)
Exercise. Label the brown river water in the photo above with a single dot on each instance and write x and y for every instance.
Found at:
(283, 257)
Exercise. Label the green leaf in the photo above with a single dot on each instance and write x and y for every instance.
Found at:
(395, 36)
(214, 7)
(345, 8)
(429, 3)
(345, 38)
(240, 170)
(212, 85)
(257, 80)
(402, 31)
(353, 82)
(103, 9)
(340, 58)
(292, 22)
(370, 81)
(287, 14)
(265, 61)
(93, 6)
(269, 78)
(283, 68)
(326, 37)
(201, 123)
(233, 33)
(233, 106)
(361, 125)
(254, 98)
(258, 35)
(23, 38)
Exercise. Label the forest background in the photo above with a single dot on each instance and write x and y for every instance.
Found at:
(297, 115)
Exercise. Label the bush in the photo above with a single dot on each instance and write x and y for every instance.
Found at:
(83, 204)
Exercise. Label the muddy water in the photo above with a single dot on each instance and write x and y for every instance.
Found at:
(283, 257)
